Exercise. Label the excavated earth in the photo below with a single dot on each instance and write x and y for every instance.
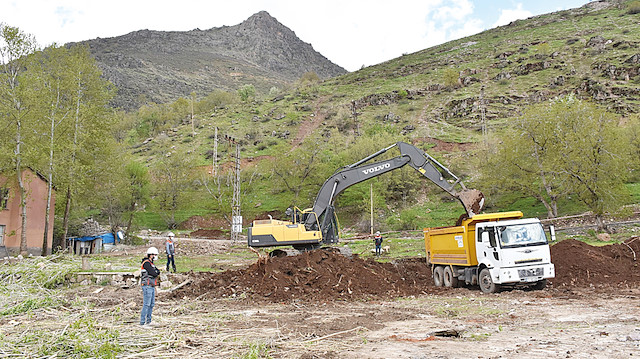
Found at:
(328, 276)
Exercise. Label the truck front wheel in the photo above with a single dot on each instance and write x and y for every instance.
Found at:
(486, 283)
(540, 285)
(438, 275)
(450, 280)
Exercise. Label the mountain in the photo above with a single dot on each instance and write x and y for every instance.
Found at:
(161, 66)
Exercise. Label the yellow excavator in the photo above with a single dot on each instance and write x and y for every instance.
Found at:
(310, 228)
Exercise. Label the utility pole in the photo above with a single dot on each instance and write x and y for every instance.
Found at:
(193, 128)
(236, 217)
(483, 115)
(371, 195)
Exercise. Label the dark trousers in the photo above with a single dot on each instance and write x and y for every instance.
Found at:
(171, 259)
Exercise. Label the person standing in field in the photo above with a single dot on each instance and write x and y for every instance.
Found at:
(149, 280)
(171, 251)
(377, 240)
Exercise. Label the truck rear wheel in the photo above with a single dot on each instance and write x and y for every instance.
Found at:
(450, 280)
(438, 276)
(486, 283)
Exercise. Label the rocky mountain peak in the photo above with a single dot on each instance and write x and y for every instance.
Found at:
(161, 66)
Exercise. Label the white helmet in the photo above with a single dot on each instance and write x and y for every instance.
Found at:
(170, 234)
(377, 232)
(152, 250)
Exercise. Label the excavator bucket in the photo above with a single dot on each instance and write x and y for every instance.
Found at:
(472, 200)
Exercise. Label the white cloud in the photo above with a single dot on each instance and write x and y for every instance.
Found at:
(451, 22)
(507, 16)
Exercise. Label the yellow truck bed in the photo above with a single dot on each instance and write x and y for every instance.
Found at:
(456, 245)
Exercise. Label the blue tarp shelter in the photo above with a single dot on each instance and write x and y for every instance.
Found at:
(91, 244)
(107, 238)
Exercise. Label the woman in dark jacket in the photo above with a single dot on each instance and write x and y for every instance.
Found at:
(149, 280)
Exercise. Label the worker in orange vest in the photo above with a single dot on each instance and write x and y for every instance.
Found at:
(149, 280)
(171, 251)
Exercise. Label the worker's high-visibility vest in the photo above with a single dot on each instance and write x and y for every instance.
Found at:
(145, 278)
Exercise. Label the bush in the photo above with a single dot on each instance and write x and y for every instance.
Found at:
(633, 7)
(451, 77)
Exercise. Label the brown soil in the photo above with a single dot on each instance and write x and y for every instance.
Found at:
(317, 275)
(324, 276)
(579, 264)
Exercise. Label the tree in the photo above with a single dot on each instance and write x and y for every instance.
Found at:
(527, 158)
(50, 67)
(15, 95)
(246, 92)
(451, 78)
(593, 154)
(173, 177)
(302, 171)
(137, 189)
(90, 125)
(563, 147)
(309, 78)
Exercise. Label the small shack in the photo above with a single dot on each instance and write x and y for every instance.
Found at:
(91, 244)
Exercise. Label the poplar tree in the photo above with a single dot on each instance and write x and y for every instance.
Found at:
(15, 97)
(90, 125)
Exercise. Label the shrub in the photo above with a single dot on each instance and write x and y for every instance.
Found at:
(451, 77)
(633, 7)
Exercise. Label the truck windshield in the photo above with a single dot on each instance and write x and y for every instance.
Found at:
(521, 235)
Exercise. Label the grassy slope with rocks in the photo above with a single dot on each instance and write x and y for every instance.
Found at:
(591, 52)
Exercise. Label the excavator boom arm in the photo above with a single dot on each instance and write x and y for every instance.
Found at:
(358, 172)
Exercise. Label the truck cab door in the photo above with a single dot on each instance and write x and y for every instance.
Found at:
(487, 248)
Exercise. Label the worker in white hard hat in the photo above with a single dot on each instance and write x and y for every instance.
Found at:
(149, 280)
(171, 251)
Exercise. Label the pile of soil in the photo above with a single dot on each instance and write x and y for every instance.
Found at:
(324, 275)
(319, 275)
(580, 264)
(208, 233)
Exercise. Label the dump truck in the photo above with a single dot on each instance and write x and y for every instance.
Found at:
(492, 250)
(312, 227)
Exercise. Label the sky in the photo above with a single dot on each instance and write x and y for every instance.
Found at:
(350, 33)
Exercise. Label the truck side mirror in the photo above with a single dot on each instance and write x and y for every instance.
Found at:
(552, 232)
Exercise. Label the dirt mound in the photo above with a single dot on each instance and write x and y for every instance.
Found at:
(208, 233)
(317, 275)
(580, 264)
(324, 275)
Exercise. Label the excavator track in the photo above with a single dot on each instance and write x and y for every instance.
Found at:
(290, 252)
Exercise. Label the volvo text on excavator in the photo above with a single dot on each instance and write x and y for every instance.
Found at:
(312, 227)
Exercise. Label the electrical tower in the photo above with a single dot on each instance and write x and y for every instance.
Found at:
(236, 221)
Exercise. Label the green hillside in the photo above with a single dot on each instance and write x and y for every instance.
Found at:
(448, 100)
